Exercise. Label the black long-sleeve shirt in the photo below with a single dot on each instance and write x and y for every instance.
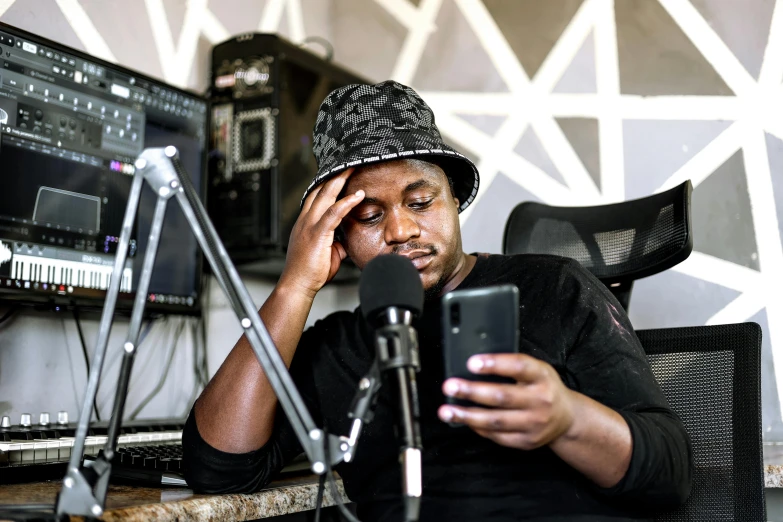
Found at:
(568, 319)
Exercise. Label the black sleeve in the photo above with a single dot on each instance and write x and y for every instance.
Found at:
(607, 363)
(209, 470)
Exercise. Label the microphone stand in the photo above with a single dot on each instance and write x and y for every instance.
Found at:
(396, 348)
(84, 488)
(397, 355)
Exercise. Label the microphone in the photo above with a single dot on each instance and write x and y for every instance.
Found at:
(390, 296)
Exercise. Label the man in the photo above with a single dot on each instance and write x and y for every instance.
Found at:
(584, 434)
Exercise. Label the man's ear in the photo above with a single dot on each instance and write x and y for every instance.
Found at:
(456, 201)
(339, 235)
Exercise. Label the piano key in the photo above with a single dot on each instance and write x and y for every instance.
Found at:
(73, 273)
(18, 435)
(29, 452)
(53, 451)
(39, 451)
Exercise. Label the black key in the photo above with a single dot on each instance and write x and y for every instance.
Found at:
(164, 463)
(149, 462)
(175, 464)
(19, 434)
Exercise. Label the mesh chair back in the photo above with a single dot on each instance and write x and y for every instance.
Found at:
(617, 243)
(711, 376)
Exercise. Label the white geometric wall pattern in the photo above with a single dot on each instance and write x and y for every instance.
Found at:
(529, 129)
(754, 109)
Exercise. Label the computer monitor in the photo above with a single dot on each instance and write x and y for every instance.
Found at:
(72, 126)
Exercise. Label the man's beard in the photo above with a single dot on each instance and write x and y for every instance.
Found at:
(434, 291)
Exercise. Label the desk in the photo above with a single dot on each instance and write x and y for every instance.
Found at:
(281, 497)
(133, 504)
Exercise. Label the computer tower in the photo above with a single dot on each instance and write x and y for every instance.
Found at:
(264, 97)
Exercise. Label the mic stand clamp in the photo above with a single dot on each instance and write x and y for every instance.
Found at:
(84, 487)
(362, 407)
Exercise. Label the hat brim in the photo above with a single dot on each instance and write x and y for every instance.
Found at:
(462, 172)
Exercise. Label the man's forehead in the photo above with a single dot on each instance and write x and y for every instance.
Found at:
(395, 174)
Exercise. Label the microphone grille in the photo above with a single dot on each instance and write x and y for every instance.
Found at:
(390, 280)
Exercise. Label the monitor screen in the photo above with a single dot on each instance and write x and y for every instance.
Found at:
(71, 129)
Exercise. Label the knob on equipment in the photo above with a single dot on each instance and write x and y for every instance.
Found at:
(26, 420)
(62, 418)
(6, 423)
(43, 419)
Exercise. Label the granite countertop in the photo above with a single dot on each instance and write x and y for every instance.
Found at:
(773, 476)
(281, 497)
(773, 465)
(132, 504)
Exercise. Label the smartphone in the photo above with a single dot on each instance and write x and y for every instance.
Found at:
(475, 321)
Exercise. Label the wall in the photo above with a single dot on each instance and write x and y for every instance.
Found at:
(565, 101)
(42, 365)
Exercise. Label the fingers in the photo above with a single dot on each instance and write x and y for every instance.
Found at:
(329, 191)
(339, 250)
(333, 215)
(524, 429)
(308, 202)
(488, 420)
(338, 256)
(489, 394)
(519, 366)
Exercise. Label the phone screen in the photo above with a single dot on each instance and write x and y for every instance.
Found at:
(476, 321)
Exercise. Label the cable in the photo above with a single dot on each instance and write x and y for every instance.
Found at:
(86, 357)
(169, 337)
(205, 299)
(139, 370)
(338, 499)
(204, 351)
(328, 47)
(200, 356)
(28, 512)
(9, 314)
(199, 353)
(199, 380)
(145, 332)
(163, 376)
(319, 499)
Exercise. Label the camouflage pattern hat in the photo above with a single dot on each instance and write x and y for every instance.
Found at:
(364, 124)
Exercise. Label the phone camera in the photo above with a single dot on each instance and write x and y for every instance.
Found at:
(455, 317)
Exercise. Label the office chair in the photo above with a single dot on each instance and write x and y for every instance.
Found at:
(618, 243)
(711, 376)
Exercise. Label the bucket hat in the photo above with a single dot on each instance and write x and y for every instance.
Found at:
(360, 124)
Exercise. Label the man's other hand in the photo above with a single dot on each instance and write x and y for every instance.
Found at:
(314, 256)
(534, 412)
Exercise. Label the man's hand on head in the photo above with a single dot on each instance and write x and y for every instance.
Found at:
(314, 256)
(533, 412)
